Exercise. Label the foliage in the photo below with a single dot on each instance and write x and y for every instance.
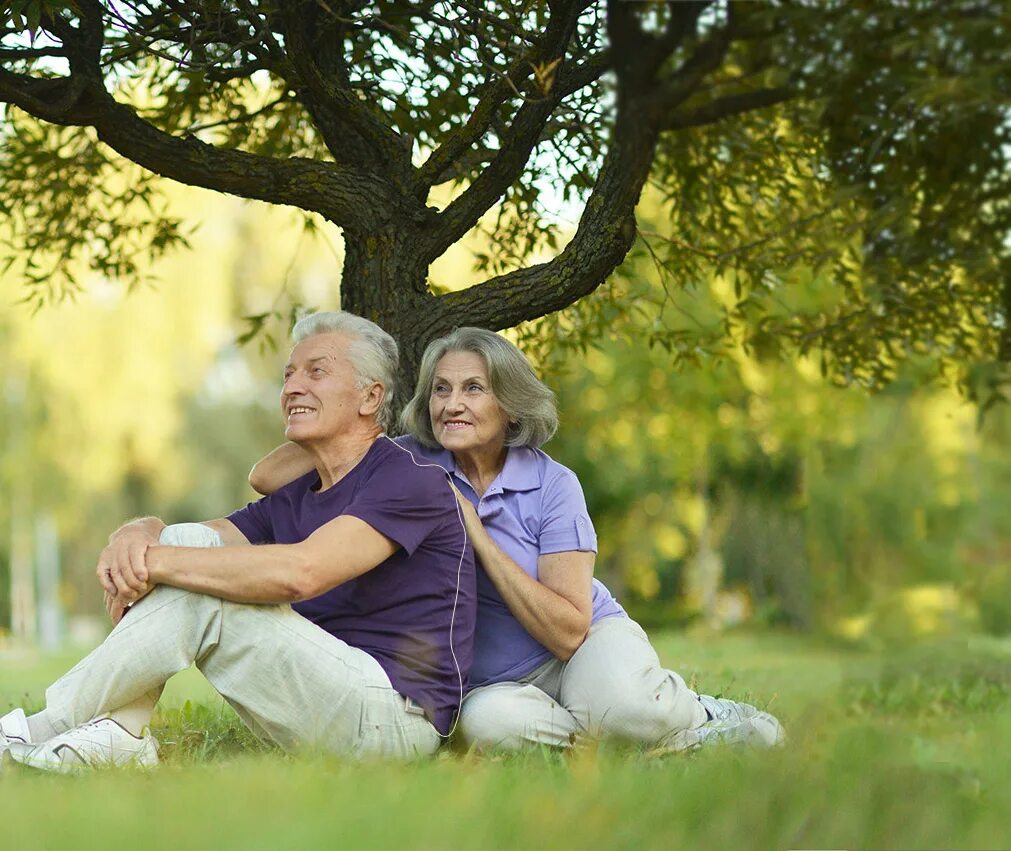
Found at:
(74, 200)
(814, 501)
(115, 407)
(819, 504)
(992, 594)
(866, 141)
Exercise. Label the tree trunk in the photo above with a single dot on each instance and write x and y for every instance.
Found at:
(385, 279)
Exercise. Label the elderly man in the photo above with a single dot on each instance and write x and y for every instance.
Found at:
(371, 658)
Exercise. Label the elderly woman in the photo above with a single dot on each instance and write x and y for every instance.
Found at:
(555, 655)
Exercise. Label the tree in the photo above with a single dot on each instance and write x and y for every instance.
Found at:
(892, 119)
(757, 475)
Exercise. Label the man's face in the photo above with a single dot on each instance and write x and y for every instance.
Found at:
(319, 398)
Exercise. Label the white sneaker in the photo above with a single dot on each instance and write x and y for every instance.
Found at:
(102, 742)
(732, 723)
(13, 731)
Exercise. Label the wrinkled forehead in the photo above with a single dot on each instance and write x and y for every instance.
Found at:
(332, 346)
(457, 362)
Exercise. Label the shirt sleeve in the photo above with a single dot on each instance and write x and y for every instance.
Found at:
(405, 503)
(565, 522)
(254, 521)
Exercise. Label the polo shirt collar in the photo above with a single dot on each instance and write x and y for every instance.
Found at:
(519, 473)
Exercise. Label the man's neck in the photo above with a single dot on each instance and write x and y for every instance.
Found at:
(339, 456)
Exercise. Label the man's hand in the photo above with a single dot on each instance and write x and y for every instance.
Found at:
(115, 607)
(121, 569)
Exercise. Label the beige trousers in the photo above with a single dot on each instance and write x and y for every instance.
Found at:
(613, 686)
(290, 682)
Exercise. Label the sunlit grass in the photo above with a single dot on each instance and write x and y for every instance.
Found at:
(899, 749)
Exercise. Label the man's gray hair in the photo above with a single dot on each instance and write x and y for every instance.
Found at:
(529, 404)
(373, 353)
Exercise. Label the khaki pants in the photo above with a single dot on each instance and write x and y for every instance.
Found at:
(613, 686)
(290, 682)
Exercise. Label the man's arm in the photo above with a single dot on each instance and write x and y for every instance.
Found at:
(282, 465)
(122, 570)
(124, 557)
(340, 550)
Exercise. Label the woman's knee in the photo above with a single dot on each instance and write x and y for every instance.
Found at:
(638, 716)
(487, 722)
(638, 700)
(511, 717)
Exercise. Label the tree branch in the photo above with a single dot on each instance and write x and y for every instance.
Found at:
(642, 53)
(243, 118)
(467, 162)
(83, 45)
(519, 142)
(494, 94)
(727, 106)
(352, 133)
(569, 83)
(603, 238)
(344, 195)
(706, 58)
(498, 90)
(607, 227)
(463, 213)
(9, 54)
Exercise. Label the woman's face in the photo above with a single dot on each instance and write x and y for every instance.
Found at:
(466, 416)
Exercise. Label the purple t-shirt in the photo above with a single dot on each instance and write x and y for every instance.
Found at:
(533, 507)
(414, 611)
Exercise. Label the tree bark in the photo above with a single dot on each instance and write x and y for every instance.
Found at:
(385, 279)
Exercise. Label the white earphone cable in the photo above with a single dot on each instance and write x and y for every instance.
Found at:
(459, 574)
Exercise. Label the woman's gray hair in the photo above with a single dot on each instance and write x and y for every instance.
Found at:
(529, 404)
(373, 353)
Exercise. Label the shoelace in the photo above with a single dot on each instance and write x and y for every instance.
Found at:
(96, 724)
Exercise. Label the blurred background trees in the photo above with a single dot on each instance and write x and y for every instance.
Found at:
(826, 207)
(747, 489)
(752, 487)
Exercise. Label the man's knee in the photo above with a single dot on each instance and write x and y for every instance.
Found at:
(161, 596)
(189, 535)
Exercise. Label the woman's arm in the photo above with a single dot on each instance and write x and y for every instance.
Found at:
(555, 610)
(282, 465)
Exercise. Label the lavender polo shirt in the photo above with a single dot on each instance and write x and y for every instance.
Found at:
(534, 506)
(406, 610)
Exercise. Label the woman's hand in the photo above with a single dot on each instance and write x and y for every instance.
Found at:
(472, 523)
(556, 609)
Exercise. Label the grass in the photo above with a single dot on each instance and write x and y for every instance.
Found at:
(900, 749)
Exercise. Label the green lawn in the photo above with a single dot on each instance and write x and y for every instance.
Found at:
(901, 749)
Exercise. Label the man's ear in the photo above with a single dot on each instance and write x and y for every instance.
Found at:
(372, 399)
